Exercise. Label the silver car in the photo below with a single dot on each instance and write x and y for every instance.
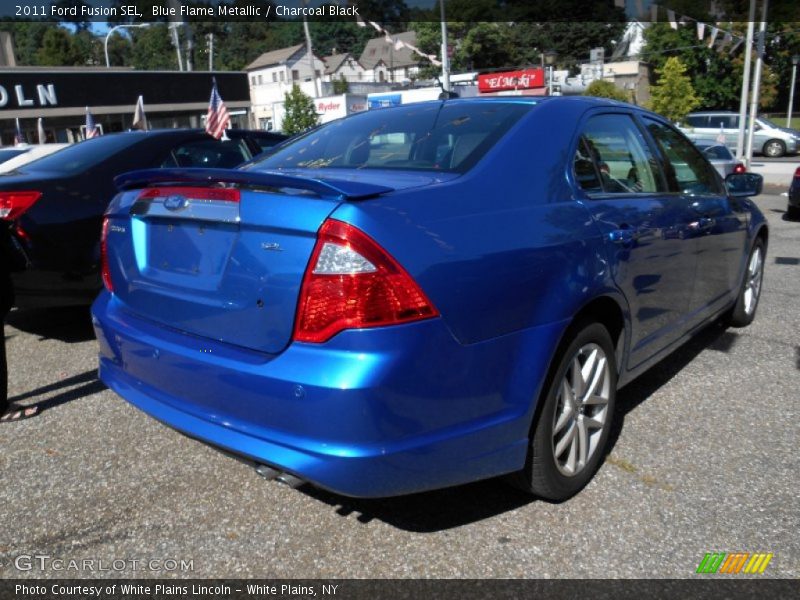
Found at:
(723, 126)
(720, 157)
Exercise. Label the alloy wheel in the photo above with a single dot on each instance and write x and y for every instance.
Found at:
(581, 410)
(752, 289)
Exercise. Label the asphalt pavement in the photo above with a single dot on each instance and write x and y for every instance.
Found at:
(704, 459)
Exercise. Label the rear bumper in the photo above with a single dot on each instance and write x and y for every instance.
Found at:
(794, 195)
(371, 413)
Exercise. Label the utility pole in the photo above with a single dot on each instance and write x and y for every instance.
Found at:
(748, 52)
(445, 56)
(187, 30)
(174, 23)
(310, 52)
(762, 36)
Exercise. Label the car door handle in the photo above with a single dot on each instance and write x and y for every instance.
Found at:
(705, 222)
(624, 237)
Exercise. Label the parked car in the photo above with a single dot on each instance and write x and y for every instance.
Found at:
(767, 139)
(13, 157)
(56, 203)
(720, 157)
(793, 209)
(427, 295)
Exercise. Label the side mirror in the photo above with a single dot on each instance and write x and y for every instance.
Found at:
(742, 185)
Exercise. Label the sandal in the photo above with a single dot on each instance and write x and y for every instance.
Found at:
(19, 414)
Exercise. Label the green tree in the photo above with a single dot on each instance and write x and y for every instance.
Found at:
(340, 86)
(713, 74)
(300, 112)
(56, 49)
(606, 89)
(152, 49)
(673, 96)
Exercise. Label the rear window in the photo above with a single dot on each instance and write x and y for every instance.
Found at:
(210, 154)
(716, 152)
(82, 155)
(444, 136)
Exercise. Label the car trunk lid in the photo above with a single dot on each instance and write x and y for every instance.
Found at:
(219, 254)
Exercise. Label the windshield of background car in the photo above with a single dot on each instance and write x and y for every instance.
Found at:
(9, 153)
(716, 152)
(81, 156)
(442, 136)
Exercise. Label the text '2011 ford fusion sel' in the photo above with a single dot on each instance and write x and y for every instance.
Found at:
(427, 295)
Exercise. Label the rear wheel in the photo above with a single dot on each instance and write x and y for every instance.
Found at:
(774, 148)
(793, 212)
(569, 437)
(744, 311)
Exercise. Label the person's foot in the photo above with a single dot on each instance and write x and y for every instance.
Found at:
(19, 414)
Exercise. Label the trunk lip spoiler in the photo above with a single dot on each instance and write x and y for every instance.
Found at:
(338, 189)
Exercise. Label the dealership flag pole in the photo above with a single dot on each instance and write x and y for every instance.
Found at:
(18, 137)
(139, 118)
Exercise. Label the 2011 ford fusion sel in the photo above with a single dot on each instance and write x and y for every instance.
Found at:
(427, 295)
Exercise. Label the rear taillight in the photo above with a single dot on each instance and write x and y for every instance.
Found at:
(13, 204)
(797, 173)
(739, 168)
(105, 272)
(352, 283)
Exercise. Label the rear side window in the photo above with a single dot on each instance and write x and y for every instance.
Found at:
(723, 122)
(686, 170)
(442, 136)
(614, 158)
(83, 155)
(697, 120)
(212, 154)
(716, 152)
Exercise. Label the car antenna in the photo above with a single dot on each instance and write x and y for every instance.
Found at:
(445, 94)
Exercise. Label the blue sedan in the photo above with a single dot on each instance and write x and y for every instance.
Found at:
(427, 295)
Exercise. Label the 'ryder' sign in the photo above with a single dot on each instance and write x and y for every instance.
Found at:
(511, 80)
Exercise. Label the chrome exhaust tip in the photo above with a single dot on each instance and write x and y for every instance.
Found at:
(267, 473)
(290, 480)
(271, 474)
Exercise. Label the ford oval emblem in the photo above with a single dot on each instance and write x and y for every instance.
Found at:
(176, 202)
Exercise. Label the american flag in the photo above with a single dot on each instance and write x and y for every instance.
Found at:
(92, 130)
(217, 118)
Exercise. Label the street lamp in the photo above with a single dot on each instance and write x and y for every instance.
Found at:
(110, 31)
(795, 60)
(549, 59)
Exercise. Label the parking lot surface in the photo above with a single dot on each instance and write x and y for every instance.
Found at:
(703, 459)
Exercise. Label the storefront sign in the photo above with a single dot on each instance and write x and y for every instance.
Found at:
(19, 96)
(511, 80)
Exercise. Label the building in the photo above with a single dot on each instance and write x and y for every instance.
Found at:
(632, 77)
(390, 61)
(273, 73)
(339, 66)
(60, 95)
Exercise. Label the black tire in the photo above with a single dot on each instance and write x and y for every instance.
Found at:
(744, 311)
(793, 212)
(542, 476)
(774, 149)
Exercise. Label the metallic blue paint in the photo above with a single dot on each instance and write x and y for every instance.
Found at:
(508, 253)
